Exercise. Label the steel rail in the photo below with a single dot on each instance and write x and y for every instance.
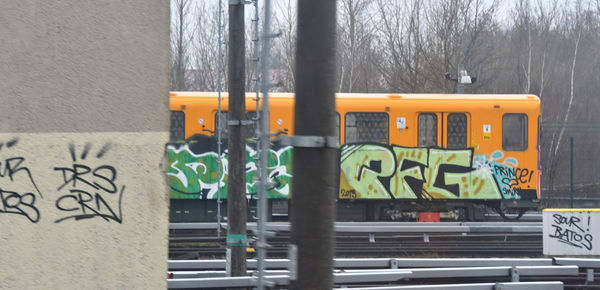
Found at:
(379, 276)
(406, 273)
(186, 244)
(397, 227)
(374, 263)
(281, 280)
(545, 285)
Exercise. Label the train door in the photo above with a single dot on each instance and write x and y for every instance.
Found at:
(447, 137)
(457, 156)
(429, 135)
(444, 130)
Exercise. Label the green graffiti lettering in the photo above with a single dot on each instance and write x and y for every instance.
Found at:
(367, 171)
(196, 176)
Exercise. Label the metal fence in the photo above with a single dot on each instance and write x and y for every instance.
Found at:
(406, 273)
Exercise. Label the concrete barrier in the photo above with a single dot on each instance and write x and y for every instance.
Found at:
(85, 119)
(571, 232)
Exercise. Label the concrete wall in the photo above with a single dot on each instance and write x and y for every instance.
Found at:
(83, 126)
(572, 232)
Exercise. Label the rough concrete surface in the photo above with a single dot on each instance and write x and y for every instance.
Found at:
(82, 66)
(84, 93)
(83, 211)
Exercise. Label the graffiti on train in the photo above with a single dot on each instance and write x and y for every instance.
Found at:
(196, 175)
(375, 171)
(511, 179)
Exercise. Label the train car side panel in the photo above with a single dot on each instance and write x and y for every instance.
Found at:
(425, 152)
(486, 167)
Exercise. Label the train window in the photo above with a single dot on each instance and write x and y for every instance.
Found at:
(457, 131)
(514, 132)
(427, 130)
(177, 130)
(367, 127)
(249, 129)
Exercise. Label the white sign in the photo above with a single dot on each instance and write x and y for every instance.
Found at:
(487, 128)
(401, 122)
(571, 232)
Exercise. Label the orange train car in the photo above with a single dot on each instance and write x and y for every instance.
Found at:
(400, 154)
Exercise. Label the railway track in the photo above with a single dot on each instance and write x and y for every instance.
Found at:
(381, 239)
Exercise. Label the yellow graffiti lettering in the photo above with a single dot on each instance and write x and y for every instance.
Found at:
(378, 171)
(376, 162)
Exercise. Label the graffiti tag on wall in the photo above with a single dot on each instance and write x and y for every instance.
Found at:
(197, 175)
(82, 191)
(571, 233)
(376, 171)
(18, 189)
(571, 230)
(91, 191)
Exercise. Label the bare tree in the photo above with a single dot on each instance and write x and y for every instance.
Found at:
(550, 48)
(523, 25)
(253, 48)
(181, 38)
(284, 47)
(571, 30)
(402, 43)
(531, 43)
(572, 92)
(204, 74)
(479, 51)
(354, 37)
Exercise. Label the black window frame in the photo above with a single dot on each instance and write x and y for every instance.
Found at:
(435, 129)
(176, 134)
(387, 128)
(524, 133)
(466, 131)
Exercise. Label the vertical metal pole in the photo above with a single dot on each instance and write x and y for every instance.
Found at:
(256, 69)
(264, 147)
(257, 118)
(460, 88)
(572, 168)
(315, 182)
(237, 211)
(220, 128)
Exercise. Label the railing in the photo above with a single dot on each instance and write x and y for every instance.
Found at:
(205, 274)
(399, 227)
(551, 285)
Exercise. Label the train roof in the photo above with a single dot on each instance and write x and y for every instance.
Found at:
(369, 96)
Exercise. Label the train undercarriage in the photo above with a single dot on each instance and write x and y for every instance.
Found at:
(368, 210)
